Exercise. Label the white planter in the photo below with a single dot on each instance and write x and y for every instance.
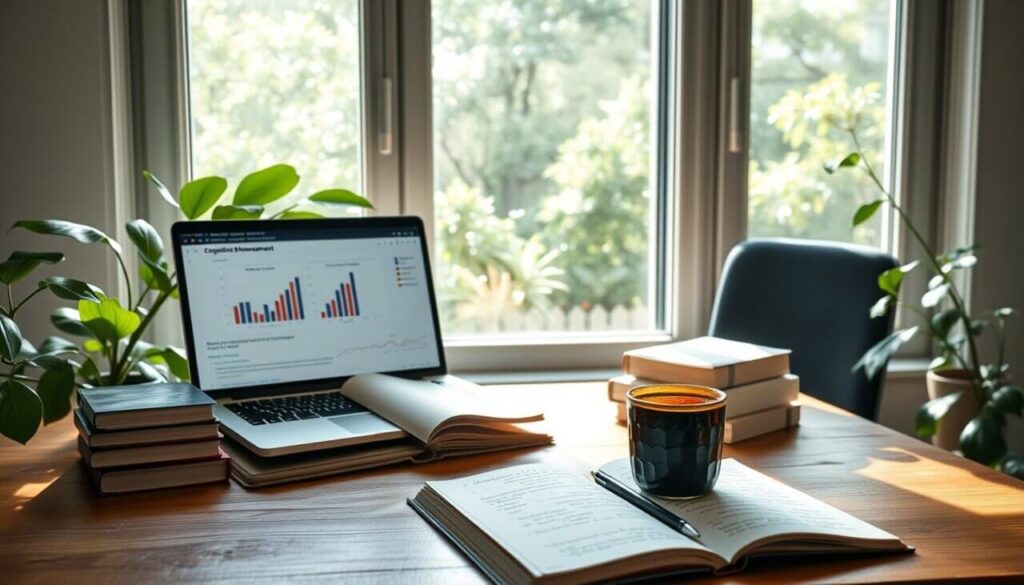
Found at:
(946, 382)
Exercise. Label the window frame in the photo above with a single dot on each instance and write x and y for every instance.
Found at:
(705, 175)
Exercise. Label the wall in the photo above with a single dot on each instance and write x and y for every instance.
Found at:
(55, 137)
(998, 279)
(999, 213)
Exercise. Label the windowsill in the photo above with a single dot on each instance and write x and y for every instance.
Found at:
(899, 368)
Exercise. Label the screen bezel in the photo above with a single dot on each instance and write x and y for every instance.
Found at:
(183, 228)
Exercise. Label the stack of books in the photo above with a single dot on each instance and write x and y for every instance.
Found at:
(135, 438)
(762, 394)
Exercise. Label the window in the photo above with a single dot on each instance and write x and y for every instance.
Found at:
(815, 65)
(544, 165)
(583, 166)
(276, 81)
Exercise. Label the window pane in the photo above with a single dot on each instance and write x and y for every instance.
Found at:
(543, 154)
(276, 81)
(815, 66)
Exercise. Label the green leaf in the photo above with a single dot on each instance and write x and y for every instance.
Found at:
(1009, 400)
(966, 261)
(890, 280)
(148, 373)
(76, 231)
(866, 211)
(237, 212)
(850, 160)
(982, 439)
(55, 345)
(266, 186)
(176, 361)
(146, 239)
(50, 363)
(20, 264)
(54, 390)
(89, 373)
(20, 411)
(881, 306)
(876, 358)
(933, 297)
(68, 321)
(71, 289)
(28, 351)
(926, 423)
(160, 188)
(957, 254)
(939, 363)
(93, 345)
(10, 338)
(1014, 466)
(154, 274)
(300, 214)
(108, 320)
(943, 322)
(1003, 313)
(198, 196)
(340, 197)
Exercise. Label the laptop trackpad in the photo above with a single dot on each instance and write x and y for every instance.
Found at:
(362, 424)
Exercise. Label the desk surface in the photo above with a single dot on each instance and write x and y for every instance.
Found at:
(966, 521)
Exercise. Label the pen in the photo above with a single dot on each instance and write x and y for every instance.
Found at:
(675, 522)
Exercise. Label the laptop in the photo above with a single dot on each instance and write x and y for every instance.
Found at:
(279, 313)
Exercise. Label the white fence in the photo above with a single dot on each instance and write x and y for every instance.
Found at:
(620, 318)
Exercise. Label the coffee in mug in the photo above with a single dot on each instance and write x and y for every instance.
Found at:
(675, 438)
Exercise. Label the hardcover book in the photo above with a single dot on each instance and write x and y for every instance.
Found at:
(136, 479)
(140, 437)
(748, 426)
(440, 421)
(544, 524)
(707, 361)
(144, 405)
(127, 456)
(760, 423)
(742, 400)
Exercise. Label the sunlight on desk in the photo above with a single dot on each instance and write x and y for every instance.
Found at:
(944, 483)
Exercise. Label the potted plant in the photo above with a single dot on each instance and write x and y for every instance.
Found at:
(37, 384)
(970, 397)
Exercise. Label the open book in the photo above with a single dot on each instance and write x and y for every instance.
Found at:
(545, 524)
(441, 420)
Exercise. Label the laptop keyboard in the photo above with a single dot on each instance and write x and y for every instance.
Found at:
(292, 408)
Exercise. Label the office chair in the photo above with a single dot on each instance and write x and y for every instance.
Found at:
(813, 298)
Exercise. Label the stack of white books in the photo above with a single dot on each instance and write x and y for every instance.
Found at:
(763, 396)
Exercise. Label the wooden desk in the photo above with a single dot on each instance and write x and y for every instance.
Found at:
(966, 521)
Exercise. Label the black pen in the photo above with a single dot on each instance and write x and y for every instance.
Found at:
(675, 522)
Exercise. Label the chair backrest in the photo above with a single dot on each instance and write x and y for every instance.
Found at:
(813, 298)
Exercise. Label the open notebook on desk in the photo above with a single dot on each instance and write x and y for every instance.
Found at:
(546, 524)
(440, 421)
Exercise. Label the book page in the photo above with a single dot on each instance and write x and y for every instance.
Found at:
(708, 352)
(747, 506)
(553, 520)
(422, 408)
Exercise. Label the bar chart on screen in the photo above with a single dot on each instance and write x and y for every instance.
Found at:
(284, 305)
(344, 300)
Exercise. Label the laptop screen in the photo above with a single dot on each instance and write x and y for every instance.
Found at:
(276, 302)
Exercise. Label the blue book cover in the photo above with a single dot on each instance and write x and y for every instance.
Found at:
(144, 405)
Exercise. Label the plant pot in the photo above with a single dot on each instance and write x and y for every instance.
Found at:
(947, 382)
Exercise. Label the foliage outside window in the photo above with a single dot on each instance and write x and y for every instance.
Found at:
(542, 117)
(813, 63)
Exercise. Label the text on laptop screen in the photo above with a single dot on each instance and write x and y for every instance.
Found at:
(274, 307)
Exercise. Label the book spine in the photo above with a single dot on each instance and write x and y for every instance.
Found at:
(758, 396)
(760, 423)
